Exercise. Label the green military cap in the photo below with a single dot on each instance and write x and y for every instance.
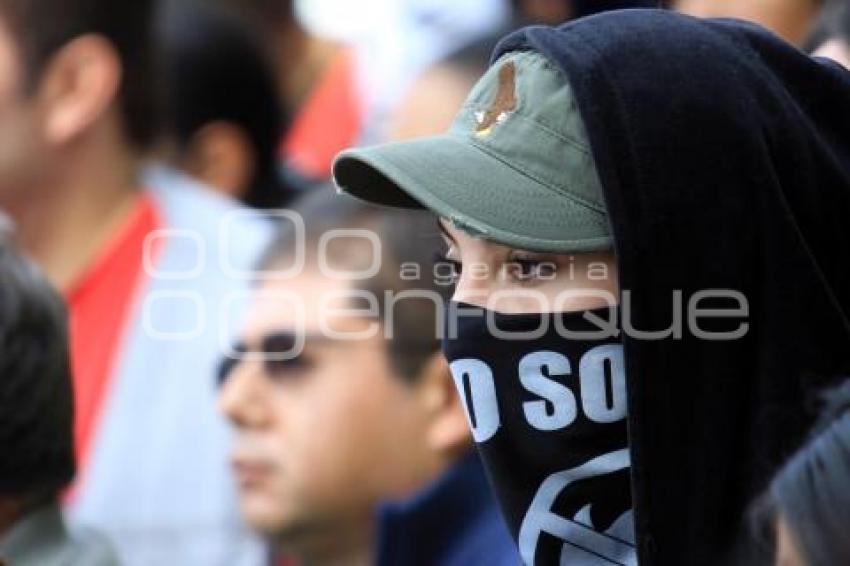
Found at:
(515, 167)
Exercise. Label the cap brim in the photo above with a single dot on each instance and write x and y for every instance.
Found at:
(479, 192)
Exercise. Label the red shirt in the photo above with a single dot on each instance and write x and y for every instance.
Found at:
(99, 304)
(329, 121)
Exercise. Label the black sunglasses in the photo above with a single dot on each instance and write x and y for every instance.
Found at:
(272, 348)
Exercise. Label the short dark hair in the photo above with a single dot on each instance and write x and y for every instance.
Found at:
(217, 70)
(36, 401)
(810, 493)
(408, 238)
(42, 27)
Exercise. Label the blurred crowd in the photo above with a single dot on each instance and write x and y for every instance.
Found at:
(162, 163)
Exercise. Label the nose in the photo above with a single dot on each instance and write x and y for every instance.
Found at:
(242, 398)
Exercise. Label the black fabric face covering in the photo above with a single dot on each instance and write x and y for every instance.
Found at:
(548, 414)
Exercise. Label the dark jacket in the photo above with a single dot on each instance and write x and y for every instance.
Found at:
(455, 522)
(724, 155)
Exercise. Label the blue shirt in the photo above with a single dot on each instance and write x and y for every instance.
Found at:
(454, 522)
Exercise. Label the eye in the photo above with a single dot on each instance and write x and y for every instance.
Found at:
(526, 269)
(280, 370)
(276, 368)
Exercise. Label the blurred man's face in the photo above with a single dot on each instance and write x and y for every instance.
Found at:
(790, 19)
(19, 145)
(548, 12)
(321, 438)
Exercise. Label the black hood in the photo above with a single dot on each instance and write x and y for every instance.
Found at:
(724, 154)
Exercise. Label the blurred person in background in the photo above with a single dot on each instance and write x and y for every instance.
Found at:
(806, 510)
(343, 68)
(436, 95)
(317, 79)
(36, 422)
(555, 12)
(793, 20)
(139, 266)
(355, 449)
(831, 37)
(222, 108)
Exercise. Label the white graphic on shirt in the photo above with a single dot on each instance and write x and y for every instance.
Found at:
(583, 544)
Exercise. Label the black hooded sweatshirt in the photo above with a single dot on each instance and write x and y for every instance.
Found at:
(724, 155)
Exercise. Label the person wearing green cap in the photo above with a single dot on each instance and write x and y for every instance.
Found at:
(642, 209)
(531, 234)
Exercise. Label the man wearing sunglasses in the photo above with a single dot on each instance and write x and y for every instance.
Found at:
(352, 446)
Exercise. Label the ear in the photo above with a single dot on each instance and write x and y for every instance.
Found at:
(78, 87)
(221, 155)
(448, 428)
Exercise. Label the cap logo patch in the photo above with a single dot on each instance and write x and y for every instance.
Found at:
(503, 103)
